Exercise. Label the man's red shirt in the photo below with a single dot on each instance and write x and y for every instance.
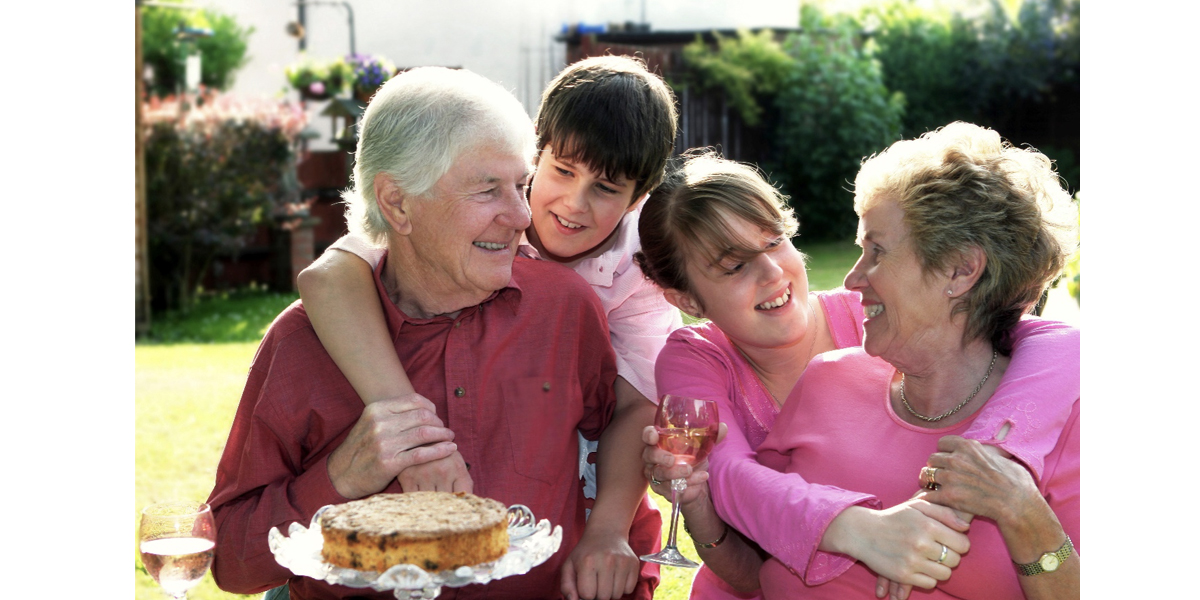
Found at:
(513, 377)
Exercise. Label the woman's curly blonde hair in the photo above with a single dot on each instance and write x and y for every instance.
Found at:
(963, 186)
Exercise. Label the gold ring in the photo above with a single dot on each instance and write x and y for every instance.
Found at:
(929, 478)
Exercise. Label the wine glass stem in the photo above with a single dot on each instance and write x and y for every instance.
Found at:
(677, 487)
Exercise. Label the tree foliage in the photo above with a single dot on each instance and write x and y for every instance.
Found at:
(748, 68)
(221, 55)
(848, 85)
(834, 110)
(1012, 65)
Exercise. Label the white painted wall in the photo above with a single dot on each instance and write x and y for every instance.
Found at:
(509, 41)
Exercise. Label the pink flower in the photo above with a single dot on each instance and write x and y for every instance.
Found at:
(317, 88)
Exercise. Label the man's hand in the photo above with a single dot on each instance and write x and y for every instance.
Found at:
(448, 474)
(602, 566)
(390, 436)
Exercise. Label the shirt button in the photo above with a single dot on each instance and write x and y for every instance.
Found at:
(459, 391)
(457, 323)
(546, 386)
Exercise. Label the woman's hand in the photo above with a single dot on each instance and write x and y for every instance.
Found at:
(978, 479)
(911, 544)
(973, 478)
(659, 469)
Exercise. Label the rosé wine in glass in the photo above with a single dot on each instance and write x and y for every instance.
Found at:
(689, 445)
(687, 428)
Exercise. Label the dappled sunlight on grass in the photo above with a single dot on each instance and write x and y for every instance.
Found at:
(185, 398)
(241, 316)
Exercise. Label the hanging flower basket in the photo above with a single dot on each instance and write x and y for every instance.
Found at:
(319, 81)
(315, 91)
(370, 73)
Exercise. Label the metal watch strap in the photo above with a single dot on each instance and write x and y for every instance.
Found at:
(1035, 567)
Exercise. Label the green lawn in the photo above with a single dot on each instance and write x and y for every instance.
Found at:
(185, 397)
(828, 263)
(189, 379)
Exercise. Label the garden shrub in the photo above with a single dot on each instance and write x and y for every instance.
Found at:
(220, 55)
(1012, 66)
(214, 173)
(748, 68)
(834, 110)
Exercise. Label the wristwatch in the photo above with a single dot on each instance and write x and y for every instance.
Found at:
(1049, 562)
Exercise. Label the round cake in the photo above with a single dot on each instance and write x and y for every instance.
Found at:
(435, 531)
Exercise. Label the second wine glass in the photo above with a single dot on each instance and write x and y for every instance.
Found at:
(687, 428)
(176, 543)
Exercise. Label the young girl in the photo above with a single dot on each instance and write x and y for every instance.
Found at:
(606, 127)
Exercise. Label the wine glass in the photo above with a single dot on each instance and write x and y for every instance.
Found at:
(687, 428)
(176, 540)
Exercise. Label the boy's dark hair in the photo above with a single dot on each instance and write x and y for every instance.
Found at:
(613, 115)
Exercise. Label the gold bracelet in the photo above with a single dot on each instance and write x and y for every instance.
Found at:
(720, 540)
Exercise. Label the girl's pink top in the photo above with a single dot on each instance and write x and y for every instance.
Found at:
(839, 429)
(786, 515)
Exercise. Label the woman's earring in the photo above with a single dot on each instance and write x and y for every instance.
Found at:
(949, 292)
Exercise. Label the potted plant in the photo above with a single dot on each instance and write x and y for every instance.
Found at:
(317, 80)
(370, 72)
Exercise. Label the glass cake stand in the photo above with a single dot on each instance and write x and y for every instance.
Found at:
(530, 544)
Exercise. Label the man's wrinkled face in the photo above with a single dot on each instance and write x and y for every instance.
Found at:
(466, 230)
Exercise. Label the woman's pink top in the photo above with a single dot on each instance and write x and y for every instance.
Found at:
(784, 514)
(838, 428)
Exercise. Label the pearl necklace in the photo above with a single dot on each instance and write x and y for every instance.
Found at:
(956, 408)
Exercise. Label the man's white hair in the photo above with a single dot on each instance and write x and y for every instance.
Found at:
(417, 125)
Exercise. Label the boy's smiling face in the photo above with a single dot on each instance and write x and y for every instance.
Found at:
(575, 210)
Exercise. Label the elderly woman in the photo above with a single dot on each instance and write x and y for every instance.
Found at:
(714, 237)
(960, 238)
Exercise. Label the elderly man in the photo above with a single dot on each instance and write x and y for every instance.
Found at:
(513, 356)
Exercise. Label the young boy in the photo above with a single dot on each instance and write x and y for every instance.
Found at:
(606, 127)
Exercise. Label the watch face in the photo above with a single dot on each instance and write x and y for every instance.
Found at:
(1049, 562)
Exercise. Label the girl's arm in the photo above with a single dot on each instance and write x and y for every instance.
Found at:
(340, 298)
(783, 513)
(729, 554)
(1028, 410)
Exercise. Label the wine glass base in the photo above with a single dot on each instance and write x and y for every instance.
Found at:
(670, 557)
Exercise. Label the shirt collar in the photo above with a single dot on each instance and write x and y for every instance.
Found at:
(508, 296)
(600, 270)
